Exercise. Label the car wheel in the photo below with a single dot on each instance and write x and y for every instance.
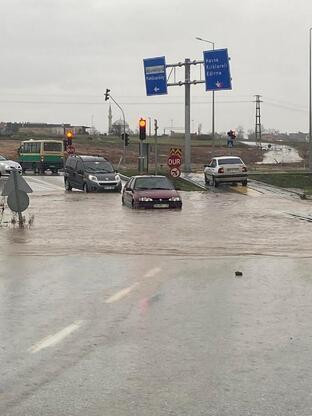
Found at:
(85, 188)
(206, 180)
(67, 185)
(244, 183)
(214, 182)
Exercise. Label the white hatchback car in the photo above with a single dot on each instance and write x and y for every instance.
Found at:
(225, 169)
(6, 166)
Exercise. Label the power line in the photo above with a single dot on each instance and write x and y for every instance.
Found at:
(124, 103)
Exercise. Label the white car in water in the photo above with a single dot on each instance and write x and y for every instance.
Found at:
(225, 169)
(6, 166)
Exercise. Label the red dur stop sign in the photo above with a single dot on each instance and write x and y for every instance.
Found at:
(174, 161)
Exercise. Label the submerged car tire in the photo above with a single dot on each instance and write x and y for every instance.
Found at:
(244, 183)
(67, 185)
(207, 182)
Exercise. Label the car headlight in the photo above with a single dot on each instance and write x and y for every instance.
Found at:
(117, 178)
(175, 199)
(145, 199)
(92, 178)
(7, 167)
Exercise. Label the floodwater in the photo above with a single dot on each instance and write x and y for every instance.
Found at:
(106, 310)
(277, 153)
(210, 223)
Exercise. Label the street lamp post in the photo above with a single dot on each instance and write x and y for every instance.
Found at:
(213, 96)
(310, 104)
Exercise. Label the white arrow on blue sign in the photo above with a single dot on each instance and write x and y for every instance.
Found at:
(155, 76)
(217, 70)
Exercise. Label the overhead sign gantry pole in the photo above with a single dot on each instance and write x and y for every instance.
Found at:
(217, 77)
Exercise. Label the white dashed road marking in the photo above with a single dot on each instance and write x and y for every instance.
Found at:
(56, 338)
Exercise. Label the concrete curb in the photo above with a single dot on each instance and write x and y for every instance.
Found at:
(193, 182)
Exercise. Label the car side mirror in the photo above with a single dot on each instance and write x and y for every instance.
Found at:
(129, 189)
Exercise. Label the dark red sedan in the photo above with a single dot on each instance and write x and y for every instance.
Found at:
(150, 192)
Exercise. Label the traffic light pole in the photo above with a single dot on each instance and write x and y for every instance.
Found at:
(124, 129)
(156, 146)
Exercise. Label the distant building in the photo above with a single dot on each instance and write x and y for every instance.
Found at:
(118, 127)
(41, 129)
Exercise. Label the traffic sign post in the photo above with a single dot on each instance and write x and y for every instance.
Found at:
(176, 151)
(175, 172)
(18, 201)
(217, 77)
(155, 76)
(217, 70)
(16, 189)
(174, 161)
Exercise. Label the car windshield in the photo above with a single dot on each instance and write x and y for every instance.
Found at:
(153, 183)
(2, 158)
(98, 166)
(230, 161)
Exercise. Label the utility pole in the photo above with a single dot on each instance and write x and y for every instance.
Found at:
(258, 121)
(310, 104)
(156, 146)
(187, 156)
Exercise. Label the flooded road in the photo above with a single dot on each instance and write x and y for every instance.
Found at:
(110, 311)
(210, 223)
(275, 153)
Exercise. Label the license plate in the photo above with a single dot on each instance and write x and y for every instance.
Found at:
(109, 187)
(161, 205)
(233, 170)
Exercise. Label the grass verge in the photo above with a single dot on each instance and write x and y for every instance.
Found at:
(290, 180)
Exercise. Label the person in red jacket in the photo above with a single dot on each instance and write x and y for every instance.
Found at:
(231, 137)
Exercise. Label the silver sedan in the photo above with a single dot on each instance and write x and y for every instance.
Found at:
(6, 166)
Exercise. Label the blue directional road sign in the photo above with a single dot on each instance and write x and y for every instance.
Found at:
(217, 70)
(155, 76)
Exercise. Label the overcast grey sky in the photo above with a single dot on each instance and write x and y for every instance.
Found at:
(59, 56)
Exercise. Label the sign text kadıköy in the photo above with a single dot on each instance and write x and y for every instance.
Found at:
(155, 76)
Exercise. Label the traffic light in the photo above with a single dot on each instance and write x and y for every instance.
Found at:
(127, 138)
(142, 126)
(107, 94)
(69, 136)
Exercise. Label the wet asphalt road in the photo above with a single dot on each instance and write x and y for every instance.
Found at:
(109, 311)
